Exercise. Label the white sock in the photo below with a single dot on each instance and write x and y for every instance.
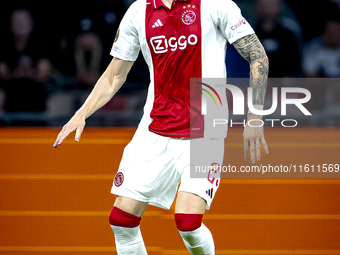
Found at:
(129, 241)
(199, 241)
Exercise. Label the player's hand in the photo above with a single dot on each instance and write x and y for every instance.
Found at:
(252, 137)
(75, 124)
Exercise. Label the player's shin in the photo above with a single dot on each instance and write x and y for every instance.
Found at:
(127, 233)
(196, 236)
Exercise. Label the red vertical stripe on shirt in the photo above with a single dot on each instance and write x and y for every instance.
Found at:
(177, 56)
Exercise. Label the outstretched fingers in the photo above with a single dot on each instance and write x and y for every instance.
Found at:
(249, 143)
(61, 136)
(246, 149)
(258, 150)
(264, 143)
(255, 148)
(79, 131)
(252, 151)
(65, 132)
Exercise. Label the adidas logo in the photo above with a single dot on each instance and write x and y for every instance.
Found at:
(210, 192)
(158, 23)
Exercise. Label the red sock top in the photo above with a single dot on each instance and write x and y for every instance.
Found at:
(188, 222)
(120, 218)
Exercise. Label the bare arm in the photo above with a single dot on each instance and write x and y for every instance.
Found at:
(251, 49)
(106, 87)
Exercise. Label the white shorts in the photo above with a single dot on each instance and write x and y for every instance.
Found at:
(152, 167)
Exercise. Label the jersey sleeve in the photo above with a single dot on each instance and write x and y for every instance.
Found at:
(229, 20)
(126, 43)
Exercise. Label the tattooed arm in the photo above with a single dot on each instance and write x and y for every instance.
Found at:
(252, 50)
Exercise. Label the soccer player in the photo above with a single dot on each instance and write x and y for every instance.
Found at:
(180, 40)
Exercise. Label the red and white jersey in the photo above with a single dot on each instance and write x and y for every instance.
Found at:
(187, 41)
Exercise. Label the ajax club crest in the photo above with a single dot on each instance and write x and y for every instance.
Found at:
(188, 17)
(119, 179)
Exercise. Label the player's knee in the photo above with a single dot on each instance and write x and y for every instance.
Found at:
(120, 218)
(188, 222)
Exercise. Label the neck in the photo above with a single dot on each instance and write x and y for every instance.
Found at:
(167, 3)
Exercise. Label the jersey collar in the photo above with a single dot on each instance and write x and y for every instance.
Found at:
(159, 3)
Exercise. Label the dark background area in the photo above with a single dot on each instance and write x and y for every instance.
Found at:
(68, 47)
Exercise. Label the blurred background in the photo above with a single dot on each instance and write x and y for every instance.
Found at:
(57, 201)
(53, 52)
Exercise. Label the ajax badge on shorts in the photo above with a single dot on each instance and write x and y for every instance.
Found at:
(119, 179)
